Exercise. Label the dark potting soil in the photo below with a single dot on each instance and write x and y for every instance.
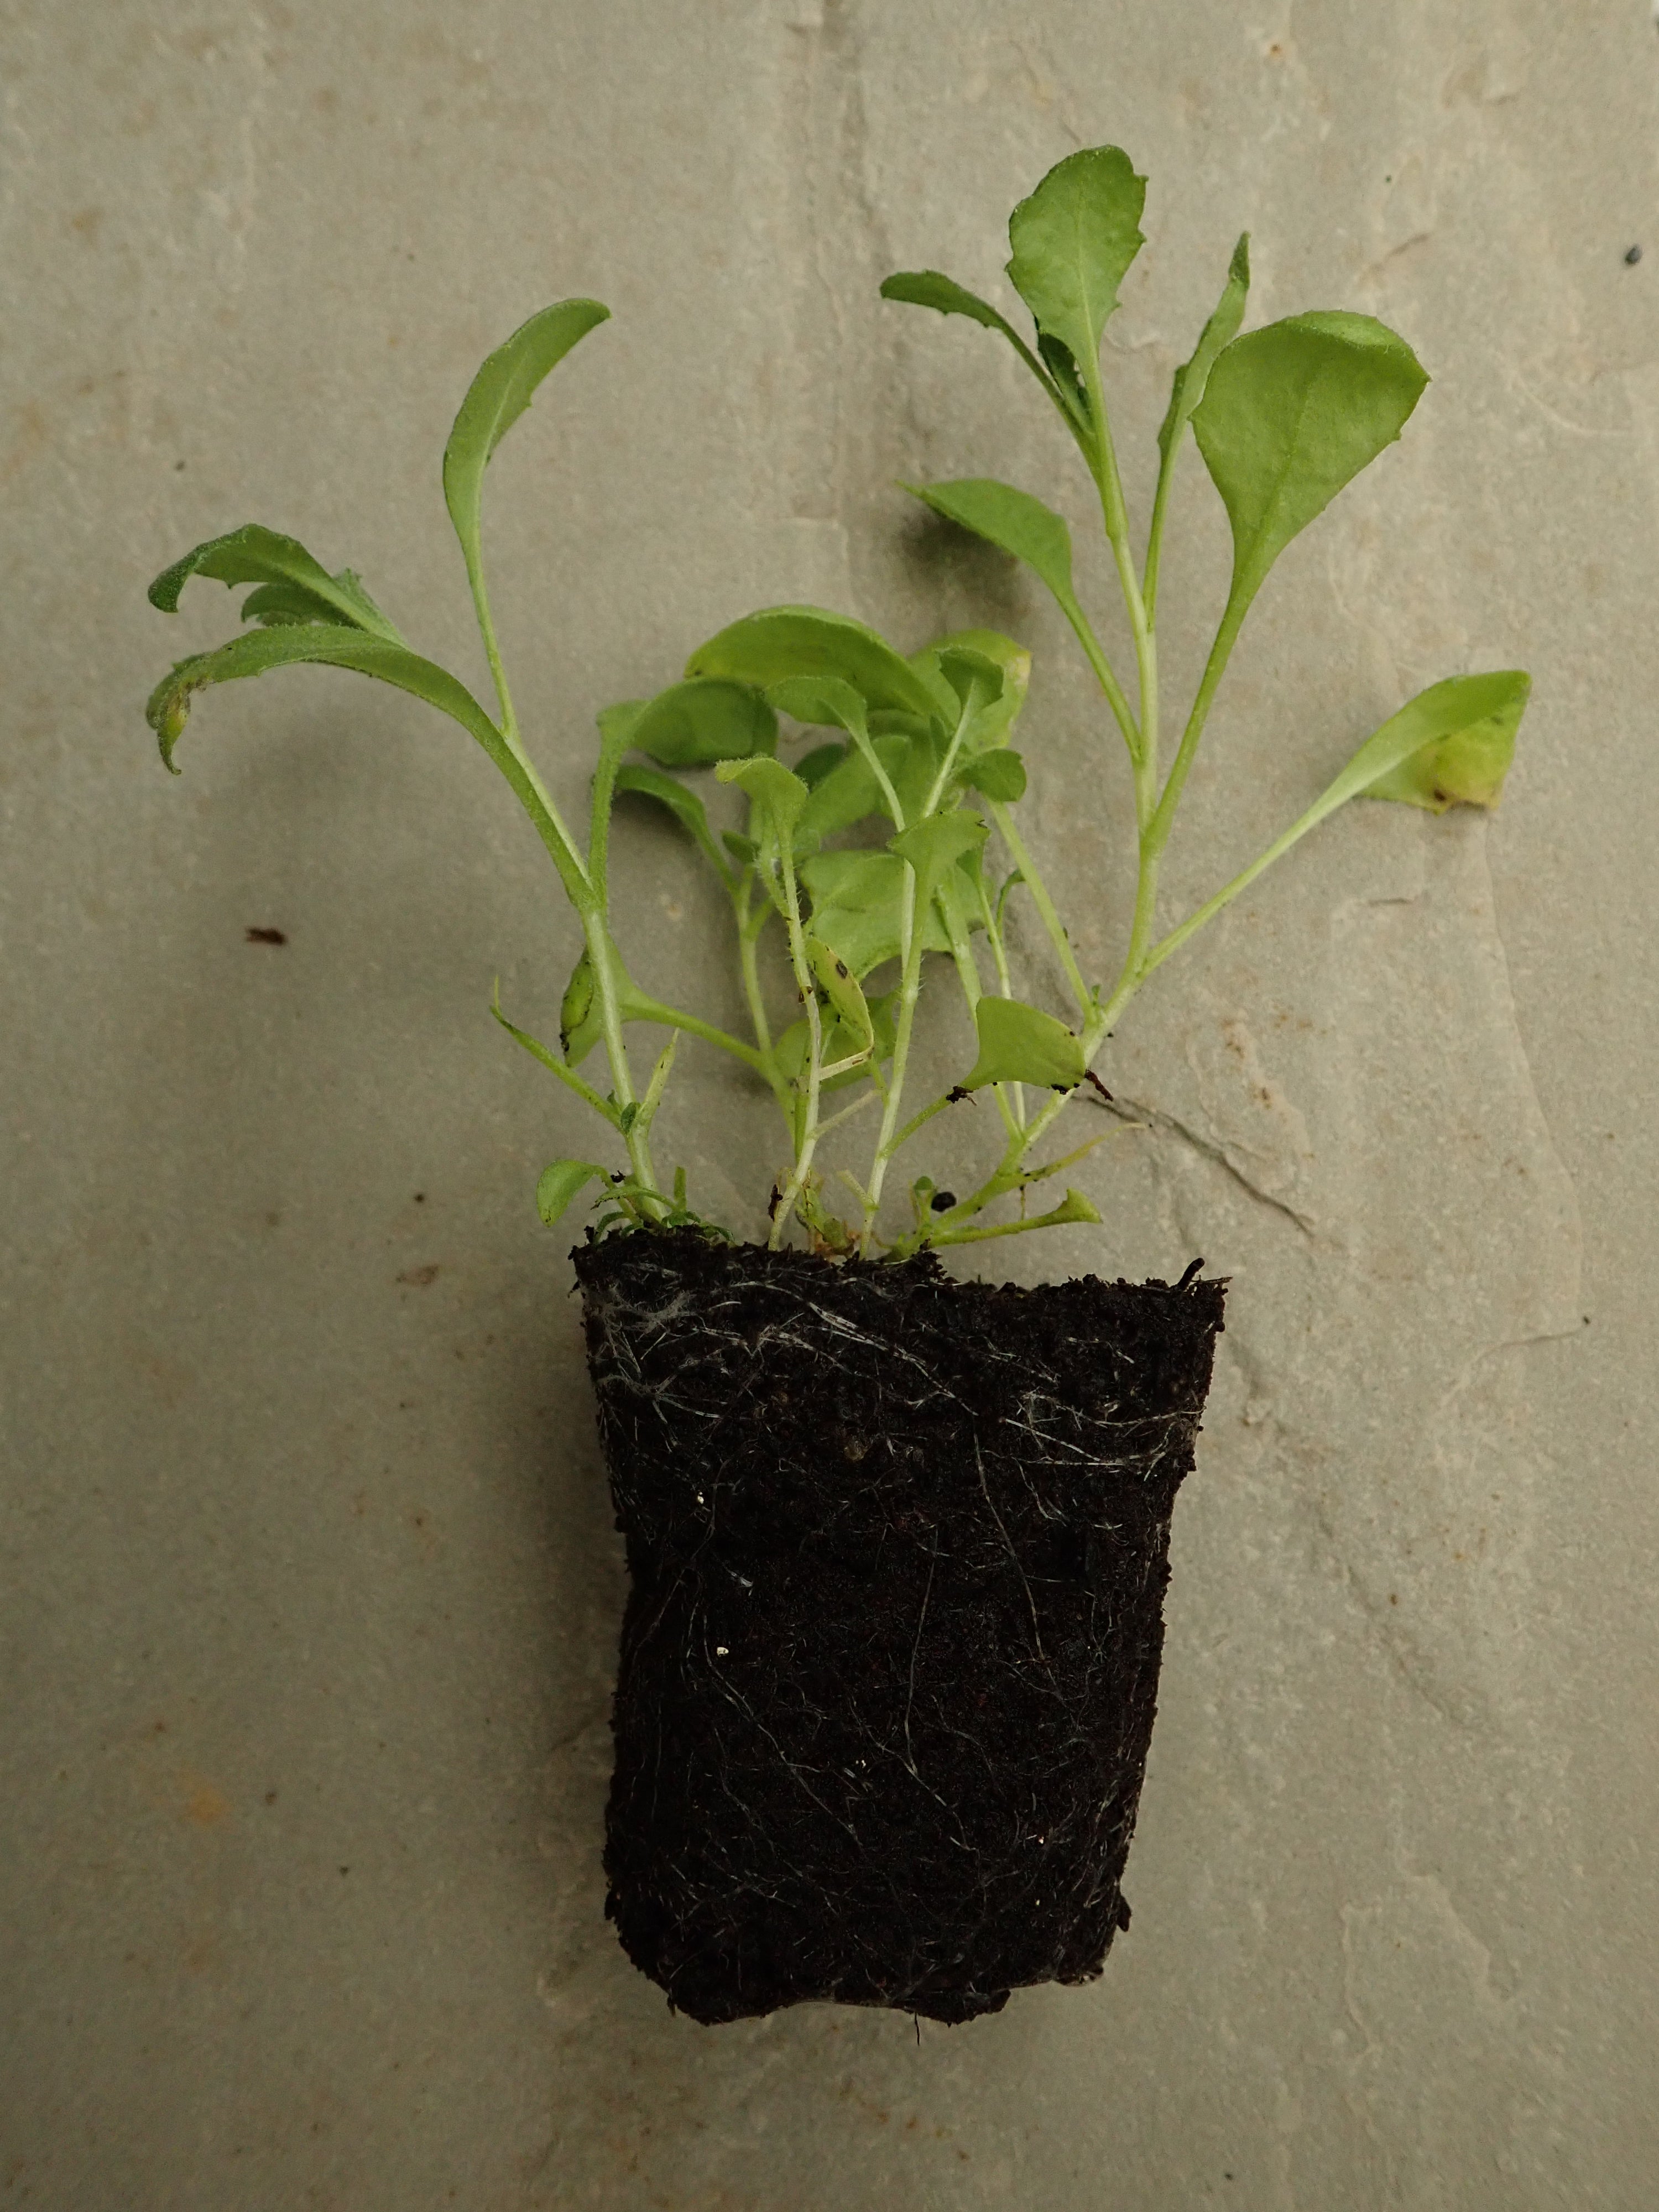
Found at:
(898, 1547)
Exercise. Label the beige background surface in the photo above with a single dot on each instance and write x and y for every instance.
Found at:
(311, 1593)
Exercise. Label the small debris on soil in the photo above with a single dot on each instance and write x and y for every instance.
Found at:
(267, 937)
(1633, 257)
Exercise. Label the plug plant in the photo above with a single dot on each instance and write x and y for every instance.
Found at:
(884, 857)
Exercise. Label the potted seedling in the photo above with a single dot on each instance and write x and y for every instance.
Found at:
(898, 1542)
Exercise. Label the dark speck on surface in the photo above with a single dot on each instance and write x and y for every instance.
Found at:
(267, 937)
(1633, 257)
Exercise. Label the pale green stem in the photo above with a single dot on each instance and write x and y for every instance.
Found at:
(999, 959)
(947, 765)
(873, 760)
(961, 953)
(845, 1114)
(1105, 675)
(909, 989)
(750, 925)
(903, 1137)
(1215, 668)
(694, 1025)
(622, 1080)
(975, 1235)
(658, 1085)
(1196, 921)
(550, 1060)
(806, 1143)
(1045, 906)
(1115, 517)
(1155, 530)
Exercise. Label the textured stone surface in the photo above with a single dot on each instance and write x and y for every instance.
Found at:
(312, 1592)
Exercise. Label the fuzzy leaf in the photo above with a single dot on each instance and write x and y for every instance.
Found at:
(912, 763)
(847, 794)
(503, 388)
(692, 725)
(1013, 520)
(1290, 415)
(295, 587)
(1073, 240)
(1222, 328)
(994, 720)
(813, 767)
(561, 1182)
(1019, 1043)
(780, 642)
(684, 806)
(975, 678)
(857, 904)
(778, 795)
(999, 773)
(934, 845)
(822, 702)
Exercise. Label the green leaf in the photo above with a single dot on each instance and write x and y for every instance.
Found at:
(295, 587)
(780, 642)
(999, 774)
(685, 805)
(934, 845)
(582, 1014)
(822, 702)
(692, 725)
(857, 904)
(927, 287)
(579, 1026)
(561, 1182)
(975, 677)
(503, 388)
(841, 987)
(993, 718)
(1451, 745)
(1222, 328)
(1067, 380)
(788, 1056)
(328, 645)
(1073, 240)
(1019, 1043)
(849, 793)
(1012, 658)
(1290, 415)
(1073, 1207)
(779, 794)
(813, 767)
(912, 764)
(1016, 521)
